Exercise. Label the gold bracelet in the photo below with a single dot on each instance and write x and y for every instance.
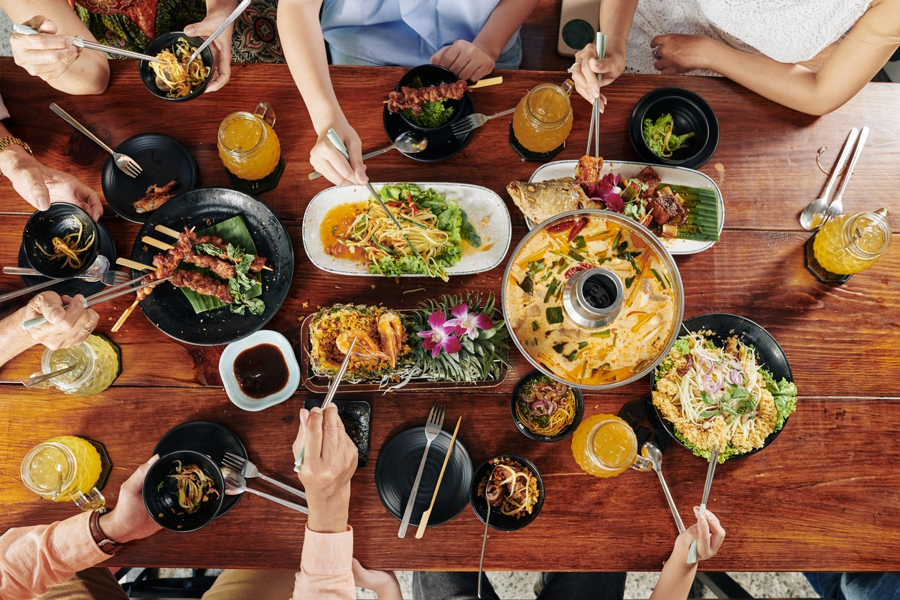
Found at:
(11, 141)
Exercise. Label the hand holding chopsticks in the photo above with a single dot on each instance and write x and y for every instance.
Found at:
(713, 460)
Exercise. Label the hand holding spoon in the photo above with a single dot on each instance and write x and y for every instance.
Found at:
(408, 142)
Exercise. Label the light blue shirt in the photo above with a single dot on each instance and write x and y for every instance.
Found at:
(403, 32)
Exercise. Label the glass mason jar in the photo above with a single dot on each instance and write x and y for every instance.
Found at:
(98, 366)
(543, 117)
(248, 146)
(605, 446)
(62, 469)
(852, 243)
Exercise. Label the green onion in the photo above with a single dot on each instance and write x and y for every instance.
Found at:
(554, 315)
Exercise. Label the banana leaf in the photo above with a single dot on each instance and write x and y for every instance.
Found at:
(234, 230)
(702, 223)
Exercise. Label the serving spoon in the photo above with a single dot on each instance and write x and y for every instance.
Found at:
(652, 452)
(408, 142)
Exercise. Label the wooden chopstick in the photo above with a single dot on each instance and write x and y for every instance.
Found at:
(423, 522)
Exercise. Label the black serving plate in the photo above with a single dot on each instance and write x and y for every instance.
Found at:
(207, 438)
(398, 463)
(168, 41)
(768, 354)
(499, 521)
(59, 220)
(690, 112)
(71, 287)
(160, 492)
(356, 415)
(442, 144)
(579, 412)
(162, 159)
(170, 311)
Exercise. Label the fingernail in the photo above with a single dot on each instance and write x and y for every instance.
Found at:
(316, 409)
(696, 510)
(189, 30)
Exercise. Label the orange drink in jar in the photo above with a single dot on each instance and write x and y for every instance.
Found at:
(605, 446)
(543, 117)
(248, 145)
(64, 468)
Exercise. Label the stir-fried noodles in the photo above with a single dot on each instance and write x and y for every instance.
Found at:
(194, 487)
(67, 248)
(175, 74)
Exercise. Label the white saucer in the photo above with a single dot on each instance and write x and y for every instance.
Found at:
(226, 370)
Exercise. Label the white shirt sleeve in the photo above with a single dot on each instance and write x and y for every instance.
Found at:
(4, 114)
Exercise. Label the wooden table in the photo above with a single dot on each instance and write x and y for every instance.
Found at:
(824, 497)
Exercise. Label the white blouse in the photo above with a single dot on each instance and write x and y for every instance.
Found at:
(789, 31)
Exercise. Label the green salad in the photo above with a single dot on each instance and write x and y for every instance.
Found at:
(434, 114)
(660, 136)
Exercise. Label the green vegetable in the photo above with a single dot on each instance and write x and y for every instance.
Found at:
(629, 281)
(658, 278)
(467, 231)
(683, 346)
(660, 137)
(575, 255)
(535, 326)
(551, 289)
(785, 394)
(554, 315)
(527, 285)
(602, 334)
(580, 242)
(535, 267)
(558, 348)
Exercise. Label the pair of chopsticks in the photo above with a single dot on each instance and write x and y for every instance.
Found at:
(594, 132)
(713, 459)
(423, 522)
(100, 297)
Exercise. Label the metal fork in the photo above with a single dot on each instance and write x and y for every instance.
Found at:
(472, 122)
(248, 470)
(432, 430)
(108, 278)
(836, 208)
(125, 163)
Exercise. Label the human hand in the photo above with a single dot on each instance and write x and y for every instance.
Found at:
(677, 53)
(383, 583)
(129, 520)
(328, 160)
(41, 185)
(45, 55)
(466, 59)
(221, 46)
(329, 461)
(709, 535)
(585, 74)
(66, 326)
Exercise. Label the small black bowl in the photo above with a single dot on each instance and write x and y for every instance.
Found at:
(769, 355)
(160, 493)
(432, 75)
(686, 117)
(58, 221)
(579, 412)
(499, 521)
(167, 42)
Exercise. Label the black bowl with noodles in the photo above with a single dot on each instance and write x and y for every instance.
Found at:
(527, 431)
(58, 221)
(168, 42)
(160, 491)
(431, 75)
(769, 355)
(498, 520)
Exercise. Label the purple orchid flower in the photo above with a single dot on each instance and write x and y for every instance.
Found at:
(468, 324)
(440, 336)
(607, 191)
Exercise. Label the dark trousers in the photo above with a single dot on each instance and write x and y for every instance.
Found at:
(562, 586)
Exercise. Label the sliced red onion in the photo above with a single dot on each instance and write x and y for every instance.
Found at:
(713, 382)
(736, 377)
(706, 365)
(553, 408)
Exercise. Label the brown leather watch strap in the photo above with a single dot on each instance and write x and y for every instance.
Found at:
(104, 543)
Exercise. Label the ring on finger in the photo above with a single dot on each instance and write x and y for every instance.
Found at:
(88, 329)
(573, 67)
(656, 53)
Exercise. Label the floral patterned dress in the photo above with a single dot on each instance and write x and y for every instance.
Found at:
(132, 24)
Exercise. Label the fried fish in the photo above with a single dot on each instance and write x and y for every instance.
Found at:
(541, 200)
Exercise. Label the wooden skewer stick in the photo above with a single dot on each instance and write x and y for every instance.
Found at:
(480, 84)
(171, 233)
(131, 264)
(124, 316)
(167, 231)
(156, 243)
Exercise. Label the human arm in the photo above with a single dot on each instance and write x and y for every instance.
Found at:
(615, 22)
(677, 576)
(383, 583)
(66, 326)
(473, 60)
(304, 50)
(216, 13)
(51, 55)
(857, 58)
(329, 461)
(32, 559)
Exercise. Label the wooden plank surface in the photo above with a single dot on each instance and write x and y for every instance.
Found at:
(819, 498)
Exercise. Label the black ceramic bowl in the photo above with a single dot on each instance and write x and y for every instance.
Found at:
(161, 495)
(167, 42)
(579, 412)
(58, 221)
(687, 116)
(432, 75)
(769, 355)
(499, 521)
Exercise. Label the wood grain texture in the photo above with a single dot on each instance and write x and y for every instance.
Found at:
(540, 33)
(820, 497)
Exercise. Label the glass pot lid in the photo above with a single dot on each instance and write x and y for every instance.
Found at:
(592, 299)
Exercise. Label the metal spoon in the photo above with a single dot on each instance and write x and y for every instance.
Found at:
(484, 541)
(812, 215)
(408, 142)
(235, 484)
(100, 266)
(652, 452)
(36, 379)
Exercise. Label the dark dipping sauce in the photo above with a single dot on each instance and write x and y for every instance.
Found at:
(261, 370)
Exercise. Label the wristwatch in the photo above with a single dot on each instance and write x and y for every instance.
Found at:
(107, 545)
(13, 141)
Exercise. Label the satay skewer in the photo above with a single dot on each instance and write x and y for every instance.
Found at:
(171, 233)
